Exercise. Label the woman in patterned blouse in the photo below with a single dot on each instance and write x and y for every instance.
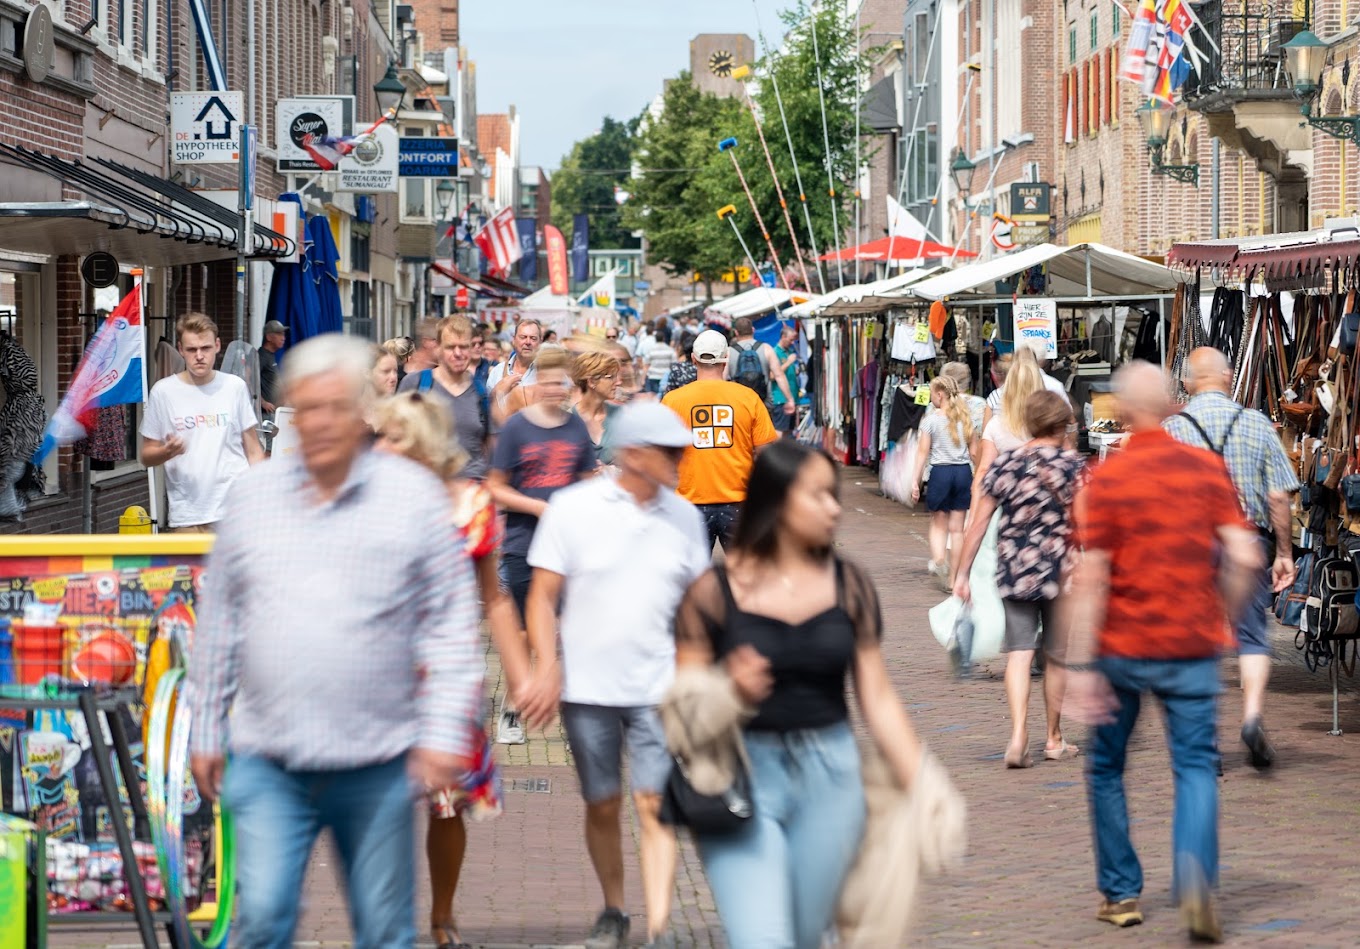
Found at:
(1033, 486)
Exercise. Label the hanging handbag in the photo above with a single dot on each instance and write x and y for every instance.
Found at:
(708, 815)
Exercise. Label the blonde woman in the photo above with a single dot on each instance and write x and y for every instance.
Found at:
(400, 348)
(596, 375)
(947, 436)
(417, 427)
(384, 375)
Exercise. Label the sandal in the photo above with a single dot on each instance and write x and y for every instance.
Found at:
(1062, 752)
(1022, 760)
(449, 941)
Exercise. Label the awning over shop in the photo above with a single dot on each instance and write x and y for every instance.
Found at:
(137, 217)
(901, 250)
(1082, 270)
(1296, 260)
(861, 297)
(476, 286)
(1309, 263)
(753, 302)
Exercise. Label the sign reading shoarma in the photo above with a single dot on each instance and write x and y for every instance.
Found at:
(110, 373)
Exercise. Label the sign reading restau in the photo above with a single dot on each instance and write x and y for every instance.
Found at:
(429, 157)
(372, 166)
(205, 127)
(1036, 326)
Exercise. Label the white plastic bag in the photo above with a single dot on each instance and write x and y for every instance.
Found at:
(989, 617)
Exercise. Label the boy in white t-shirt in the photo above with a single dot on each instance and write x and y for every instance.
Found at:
(201, 425)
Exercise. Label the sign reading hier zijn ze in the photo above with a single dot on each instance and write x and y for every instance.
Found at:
(1036, 326)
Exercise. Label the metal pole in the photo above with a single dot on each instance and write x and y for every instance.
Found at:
(1216, 177)
(729, 212)
(243, 202)
(826, 153)
(729, 145)
(859, 171)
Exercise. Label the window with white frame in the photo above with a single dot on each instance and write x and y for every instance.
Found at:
(416, 195)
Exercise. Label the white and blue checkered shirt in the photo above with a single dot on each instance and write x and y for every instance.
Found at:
(339, 634)
(1250, 447)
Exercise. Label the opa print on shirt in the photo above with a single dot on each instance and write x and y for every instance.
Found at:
(712, 425)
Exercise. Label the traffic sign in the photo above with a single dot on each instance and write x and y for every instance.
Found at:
(99, 269)
(429, 157)
(205, 127)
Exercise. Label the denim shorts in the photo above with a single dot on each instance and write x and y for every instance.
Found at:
(950, 488)
(596, 734)
(1253, 629)
(515, 574)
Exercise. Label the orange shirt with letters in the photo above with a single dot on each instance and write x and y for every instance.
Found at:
(729, 422)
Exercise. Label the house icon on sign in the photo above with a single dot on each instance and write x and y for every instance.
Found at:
(216, 119)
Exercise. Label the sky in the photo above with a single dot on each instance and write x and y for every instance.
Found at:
(566, 64)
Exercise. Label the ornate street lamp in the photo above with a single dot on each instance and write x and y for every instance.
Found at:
(443, 196)
(1155, 117)
(1305, 58)
(390, 91)
(961, 170)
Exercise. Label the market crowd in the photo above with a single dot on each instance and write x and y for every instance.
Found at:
(652, 551)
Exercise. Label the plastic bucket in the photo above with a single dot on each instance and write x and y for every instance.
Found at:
(37, 651)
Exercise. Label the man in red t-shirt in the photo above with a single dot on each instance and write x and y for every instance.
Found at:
(1169, 560)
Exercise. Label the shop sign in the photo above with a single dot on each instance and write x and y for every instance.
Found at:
(429, 157)
(373, 165)
(99, 269)
(318, 116)
(1027, 235)
(205, 127)
(39, 53)
(1030, 201)
(1036, 325)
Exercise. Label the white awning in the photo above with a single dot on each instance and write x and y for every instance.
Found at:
(752, 302)
(1082, 270)
(856, 292)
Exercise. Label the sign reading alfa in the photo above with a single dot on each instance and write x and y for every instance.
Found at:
(317, 116)
(429, 157)
(1029, 202)
(373, 165)
(205, 127)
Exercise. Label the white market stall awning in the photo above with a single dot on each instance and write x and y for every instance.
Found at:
(752, 302)
(856, 292)
(1081, 271)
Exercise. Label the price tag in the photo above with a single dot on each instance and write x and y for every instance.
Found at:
(987, 330)
(922, 332)
(923, 395)
(871, 331)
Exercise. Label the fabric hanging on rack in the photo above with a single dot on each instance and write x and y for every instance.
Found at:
(907, 348)
(22, 419)
(167, 361)
(106, 444)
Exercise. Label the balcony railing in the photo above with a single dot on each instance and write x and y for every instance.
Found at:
(1249, 58)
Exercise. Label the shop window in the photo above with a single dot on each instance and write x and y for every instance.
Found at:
(1114, 20)
(359, 321)
(1095, 30)
(416, 199)
(359, 248)
(1072, 44)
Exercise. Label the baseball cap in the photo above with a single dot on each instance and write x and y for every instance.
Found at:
(274, 326)
(648, 423)
(710, 347)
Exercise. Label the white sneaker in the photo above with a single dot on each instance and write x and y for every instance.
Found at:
(509, 731)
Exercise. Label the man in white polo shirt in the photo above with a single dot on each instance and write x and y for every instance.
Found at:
(619, 555)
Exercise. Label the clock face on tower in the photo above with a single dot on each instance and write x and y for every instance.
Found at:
(720, 63)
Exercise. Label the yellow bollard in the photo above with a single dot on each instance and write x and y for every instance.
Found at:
(134, 520)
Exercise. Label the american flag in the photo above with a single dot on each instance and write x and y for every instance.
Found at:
(499, 241)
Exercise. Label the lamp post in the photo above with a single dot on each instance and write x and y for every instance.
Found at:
(1305, 58)
(390, 91)
(1155, 117)
(961, 170)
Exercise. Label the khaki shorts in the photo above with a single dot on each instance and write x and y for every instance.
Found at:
(195, 529)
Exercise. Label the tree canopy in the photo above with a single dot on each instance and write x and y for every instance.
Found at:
(585, 183)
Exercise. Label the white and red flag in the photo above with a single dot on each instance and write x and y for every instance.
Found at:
(498, 241)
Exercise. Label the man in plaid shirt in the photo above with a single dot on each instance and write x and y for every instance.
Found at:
(338, 627)
(1264, 478)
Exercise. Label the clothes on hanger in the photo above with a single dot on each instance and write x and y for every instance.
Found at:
(22, 420)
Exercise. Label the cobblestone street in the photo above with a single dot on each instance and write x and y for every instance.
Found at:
(1029, 876)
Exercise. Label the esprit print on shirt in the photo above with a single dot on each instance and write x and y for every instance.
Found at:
(712, 425)
(184, 423)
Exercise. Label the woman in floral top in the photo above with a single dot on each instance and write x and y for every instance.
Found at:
(1033, 486)
(417, 427)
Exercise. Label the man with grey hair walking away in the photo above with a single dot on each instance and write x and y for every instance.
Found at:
(338, 629)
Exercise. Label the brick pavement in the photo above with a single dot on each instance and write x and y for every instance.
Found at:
(1288, 877)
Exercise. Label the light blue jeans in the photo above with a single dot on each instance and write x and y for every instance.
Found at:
(777, 881)
(278, 814)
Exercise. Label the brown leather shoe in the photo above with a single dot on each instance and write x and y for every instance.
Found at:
(1121, 914)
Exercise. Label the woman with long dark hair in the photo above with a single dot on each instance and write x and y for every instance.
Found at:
(789, 619)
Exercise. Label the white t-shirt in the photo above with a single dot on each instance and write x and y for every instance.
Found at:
(626, 567)
(1002, 437)
(1051, 384)
(211, 420)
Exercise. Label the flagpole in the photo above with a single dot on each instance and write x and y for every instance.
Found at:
(151, 505)
(826, 151)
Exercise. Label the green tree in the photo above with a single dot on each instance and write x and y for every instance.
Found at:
(585, 182)
(678, 216)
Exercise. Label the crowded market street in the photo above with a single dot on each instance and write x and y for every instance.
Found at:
(1287, 871)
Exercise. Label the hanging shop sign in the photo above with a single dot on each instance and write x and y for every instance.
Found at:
(1036, 325)
(39, 51)
(318, 116)
(205, 127)
(1030, 201)
(374, 164)
(99, 269)
(429, 157)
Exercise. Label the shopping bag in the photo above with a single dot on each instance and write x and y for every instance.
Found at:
(944, 617)
(988, 614)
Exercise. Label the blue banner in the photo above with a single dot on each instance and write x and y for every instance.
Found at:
(580, 247)
(528, 245)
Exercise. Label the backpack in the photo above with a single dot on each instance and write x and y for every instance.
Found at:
(750, 370)
(1290, 603)
(426, 383)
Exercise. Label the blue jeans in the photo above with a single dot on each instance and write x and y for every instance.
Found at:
(1188, 690)
(515, 574)
(776, 882)
(278, 815)
(721, 521)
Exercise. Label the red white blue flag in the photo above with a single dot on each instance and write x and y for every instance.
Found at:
(110, 373)
(498, 240)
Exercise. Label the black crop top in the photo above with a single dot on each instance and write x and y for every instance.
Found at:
(809, 660)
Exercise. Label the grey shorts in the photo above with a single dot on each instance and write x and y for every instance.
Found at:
(1023, 624)
(597, 733)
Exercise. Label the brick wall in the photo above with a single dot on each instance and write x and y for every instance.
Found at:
(61, 513)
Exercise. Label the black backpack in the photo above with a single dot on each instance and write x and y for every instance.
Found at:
(750, 370)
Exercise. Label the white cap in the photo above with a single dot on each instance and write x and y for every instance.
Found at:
(648, 423)
(710, 347)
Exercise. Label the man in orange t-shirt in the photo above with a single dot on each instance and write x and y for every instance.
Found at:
(729, 423)
(1169, 559)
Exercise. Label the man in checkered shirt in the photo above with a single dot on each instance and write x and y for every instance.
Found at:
(1265, 480)
(338, 626)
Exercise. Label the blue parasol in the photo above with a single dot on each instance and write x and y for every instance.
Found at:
(293, 300)
(323, 257)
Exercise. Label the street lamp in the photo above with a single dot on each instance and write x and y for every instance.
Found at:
(1155, 117)
(390, 91)
(1305, 58)
(961, 170)
(443, 196)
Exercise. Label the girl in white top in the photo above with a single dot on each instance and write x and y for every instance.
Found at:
(947, 440)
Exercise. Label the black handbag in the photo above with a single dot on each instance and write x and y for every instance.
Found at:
(1350, 329)
(1350, 493)
(709, 815)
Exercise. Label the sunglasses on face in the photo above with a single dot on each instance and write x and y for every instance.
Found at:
(611, 335)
